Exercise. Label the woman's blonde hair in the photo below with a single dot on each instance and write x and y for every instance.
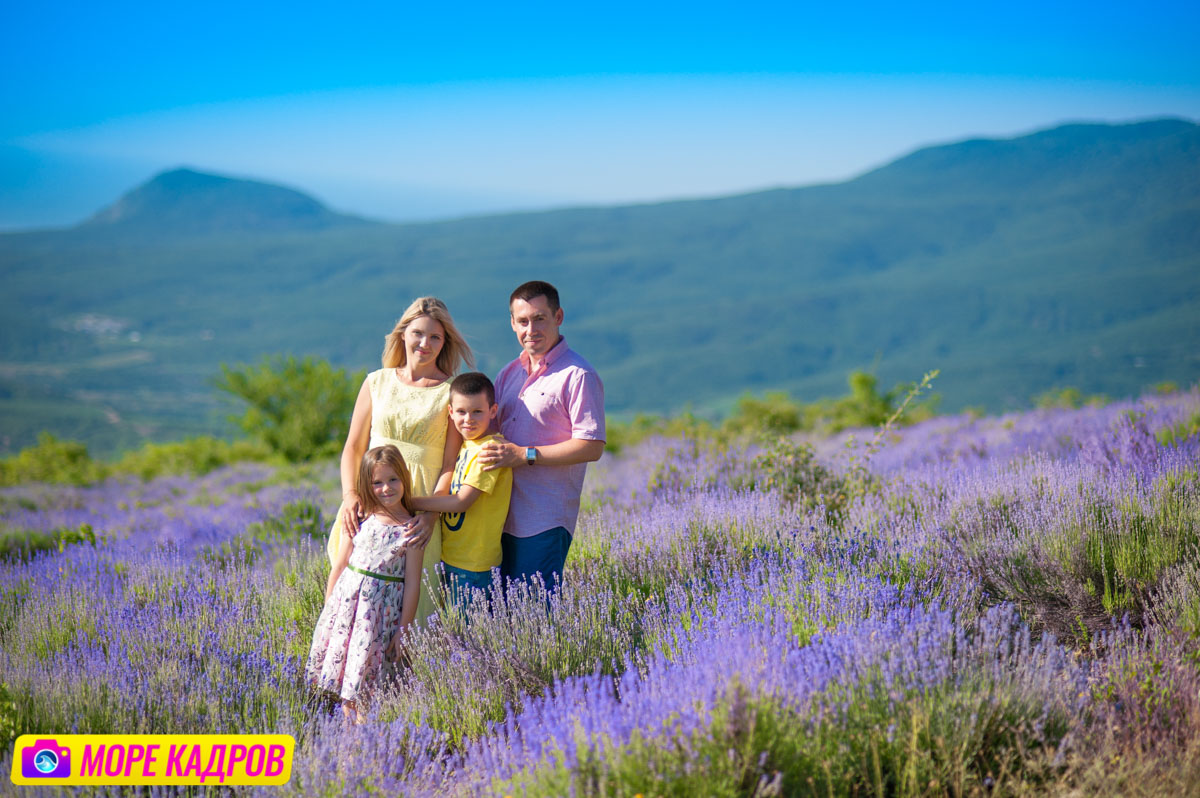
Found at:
(454, 349)
(388, 455)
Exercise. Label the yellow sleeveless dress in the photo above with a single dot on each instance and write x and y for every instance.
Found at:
(414, 420)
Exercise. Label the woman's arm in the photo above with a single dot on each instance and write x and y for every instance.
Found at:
(459, 502)
(352, 453)
(343, 559)
(454, 443)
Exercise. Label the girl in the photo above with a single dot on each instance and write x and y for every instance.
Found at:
(373, 588)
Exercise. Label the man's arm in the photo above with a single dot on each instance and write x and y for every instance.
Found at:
(504, 454)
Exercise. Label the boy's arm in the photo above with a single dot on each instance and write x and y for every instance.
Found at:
(459, 502)
(339, 566)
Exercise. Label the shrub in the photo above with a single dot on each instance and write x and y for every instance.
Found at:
(792, 469)
(23, 543)
(192, 456)
(1177, 434)
(299, 409)
(51, 460)
(1068, 398)
(773, 415)
(68, 462)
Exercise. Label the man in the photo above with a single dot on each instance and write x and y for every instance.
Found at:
(552, 421)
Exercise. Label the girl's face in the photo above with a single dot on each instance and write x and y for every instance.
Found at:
(387, 485)
(423, 341)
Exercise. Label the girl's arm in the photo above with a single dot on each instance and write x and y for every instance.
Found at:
(350, 513)
(346, 549)
(413, 571)
(459, 502)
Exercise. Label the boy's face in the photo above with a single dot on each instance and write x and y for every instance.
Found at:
(471, 415)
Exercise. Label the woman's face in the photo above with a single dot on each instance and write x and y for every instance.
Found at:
(423, 341)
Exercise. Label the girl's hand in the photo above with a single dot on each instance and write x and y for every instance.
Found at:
(396, 649)
(350, 513)
(420, 529)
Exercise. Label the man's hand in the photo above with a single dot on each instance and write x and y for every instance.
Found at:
(501, 454)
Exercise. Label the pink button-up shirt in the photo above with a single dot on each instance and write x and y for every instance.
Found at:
(561, 399)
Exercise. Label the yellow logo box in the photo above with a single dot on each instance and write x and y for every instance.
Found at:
(137, 759)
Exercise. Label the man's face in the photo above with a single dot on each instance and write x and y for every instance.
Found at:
(535, 325)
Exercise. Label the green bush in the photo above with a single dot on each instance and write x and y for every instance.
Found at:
(51, 460)
(68, 462)
(295, 521)
(792, 469)
(192, 456)
(774, 415)
(1067, 399)
(627, 433)
(299, 409)
(1172, 436)
(23, 543)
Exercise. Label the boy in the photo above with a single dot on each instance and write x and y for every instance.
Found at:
(473, 515)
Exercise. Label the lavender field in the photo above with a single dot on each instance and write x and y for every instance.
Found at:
(994, 606)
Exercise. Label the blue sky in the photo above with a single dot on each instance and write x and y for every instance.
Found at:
(402, 111)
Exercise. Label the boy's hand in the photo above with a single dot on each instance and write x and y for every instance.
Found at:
(420, 530)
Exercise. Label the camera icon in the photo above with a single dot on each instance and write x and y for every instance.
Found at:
(46, 759)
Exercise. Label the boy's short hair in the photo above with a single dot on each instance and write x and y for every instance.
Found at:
(474, 383)
(535, 288)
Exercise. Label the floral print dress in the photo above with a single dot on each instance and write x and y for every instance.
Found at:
(362, 615)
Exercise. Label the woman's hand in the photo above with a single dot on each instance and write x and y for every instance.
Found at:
(420, 529)
(350, 513)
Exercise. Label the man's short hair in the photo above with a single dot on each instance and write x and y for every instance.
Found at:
(474, 383)
(533, 289)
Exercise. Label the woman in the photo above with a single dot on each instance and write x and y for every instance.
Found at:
(404, 404)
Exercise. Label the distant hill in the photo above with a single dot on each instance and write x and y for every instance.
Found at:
(1070, 256)
(185, 202)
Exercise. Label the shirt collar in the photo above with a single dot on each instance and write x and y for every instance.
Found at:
(556, 351)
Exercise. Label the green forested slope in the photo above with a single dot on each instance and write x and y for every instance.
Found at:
(1068, 257)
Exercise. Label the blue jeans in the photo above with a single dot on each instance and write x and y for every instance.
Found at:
(545, 553)
(460, 583)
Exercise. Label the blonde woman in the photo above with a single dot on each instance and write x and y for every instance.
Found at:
(404, 404)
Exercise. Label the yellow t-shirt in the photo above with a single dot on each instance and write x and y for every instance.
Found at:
(471, 540)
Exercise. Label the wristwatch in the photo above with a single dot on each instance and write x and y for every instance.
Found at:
(530, 455)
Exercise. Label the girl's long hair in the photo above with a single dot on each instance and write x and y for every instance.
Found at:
(454, 349)
(389, 455)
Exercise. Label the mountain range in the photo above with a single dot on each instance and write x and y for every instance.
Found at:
(1070, 256)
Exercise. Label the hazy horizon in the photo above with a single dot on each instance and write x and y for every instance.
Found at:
(405, 114)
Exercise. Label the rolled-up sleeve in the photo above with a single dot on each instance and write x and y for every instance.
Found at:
(586, 406)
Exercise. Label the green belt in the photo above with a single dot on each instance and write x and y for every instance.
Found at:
(374, 575)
